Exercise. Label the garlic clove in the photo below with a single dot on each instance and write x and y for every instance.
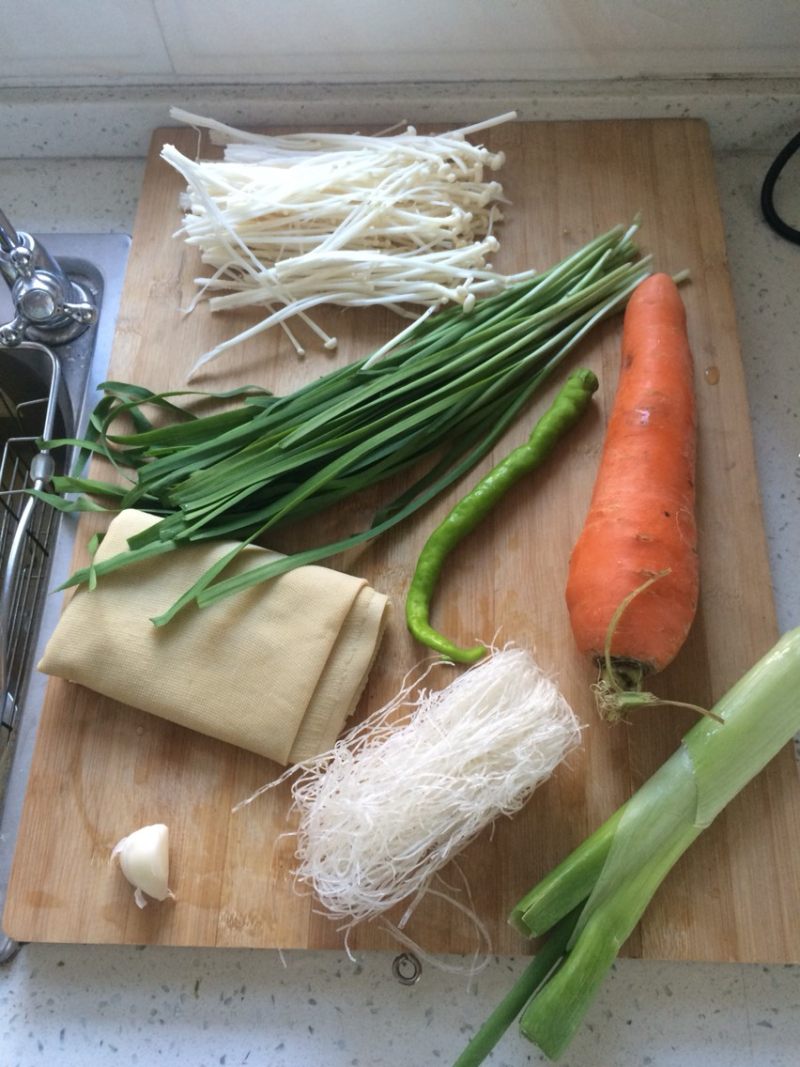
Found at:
(144, 860)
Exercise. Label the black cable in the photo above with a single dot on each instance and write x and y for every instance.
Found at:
(768, 190)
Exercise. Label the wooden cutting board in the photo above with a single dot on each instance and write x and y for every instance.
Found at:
(101, 769)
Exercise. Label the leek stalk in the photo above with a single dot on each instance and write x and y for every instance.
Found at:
(523, 989)
(614, 874)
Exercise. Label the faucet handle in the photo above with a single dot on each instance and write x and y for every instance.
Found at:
(38, 308)
(12, 333)
(49, 306)
(21, 260)
(80, 311)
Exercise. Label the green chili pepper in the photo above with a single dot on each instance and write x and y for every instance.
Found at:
(568, 406)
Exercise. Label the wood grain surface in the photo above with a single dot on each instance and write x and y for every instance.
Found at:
(101, 769)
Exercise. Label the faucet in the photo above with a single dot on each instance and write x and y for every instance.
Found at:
(48, 305)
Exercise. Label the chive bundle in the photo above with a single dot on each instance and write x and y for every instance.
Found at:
(451, 385)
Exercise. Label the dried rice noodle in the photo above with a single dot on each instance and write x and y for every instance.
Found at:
(402, 794)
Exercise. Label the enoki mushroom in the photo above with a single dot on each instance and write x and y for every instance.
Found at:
(287, 223)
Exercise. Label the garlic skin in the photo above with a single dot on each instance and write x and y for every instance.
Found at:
(144, 860)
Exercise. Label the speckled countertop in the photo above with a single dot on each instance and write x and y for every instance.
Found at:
(77, 1006)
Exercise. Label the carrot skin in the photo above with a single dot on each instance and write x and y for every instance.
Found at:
(641, 518)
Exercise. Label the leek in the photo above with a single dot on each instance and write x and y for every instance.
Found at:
(614, 874)
(449, 389)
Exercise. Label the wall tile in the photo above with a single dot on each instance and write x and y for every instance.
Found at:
(46, 42)
(90, 40)
(351, 40)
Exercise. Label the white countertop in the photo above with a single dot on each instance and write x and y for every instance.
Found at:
(83, 1005)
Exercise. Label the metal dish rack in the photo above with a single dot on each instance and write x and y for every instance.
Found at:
(42, 387)
(28, 529)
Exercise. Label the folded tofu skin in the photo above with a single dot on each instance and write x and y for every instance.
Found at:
(276, 670)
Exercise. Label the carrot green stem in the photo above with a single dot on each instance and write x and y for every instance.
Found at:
(619, 688)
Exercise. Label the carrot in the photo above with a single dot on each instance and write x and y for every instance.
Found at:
(633, 575)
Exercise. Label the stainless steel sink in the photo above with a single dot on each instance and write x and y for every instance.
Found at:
(36, 547)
